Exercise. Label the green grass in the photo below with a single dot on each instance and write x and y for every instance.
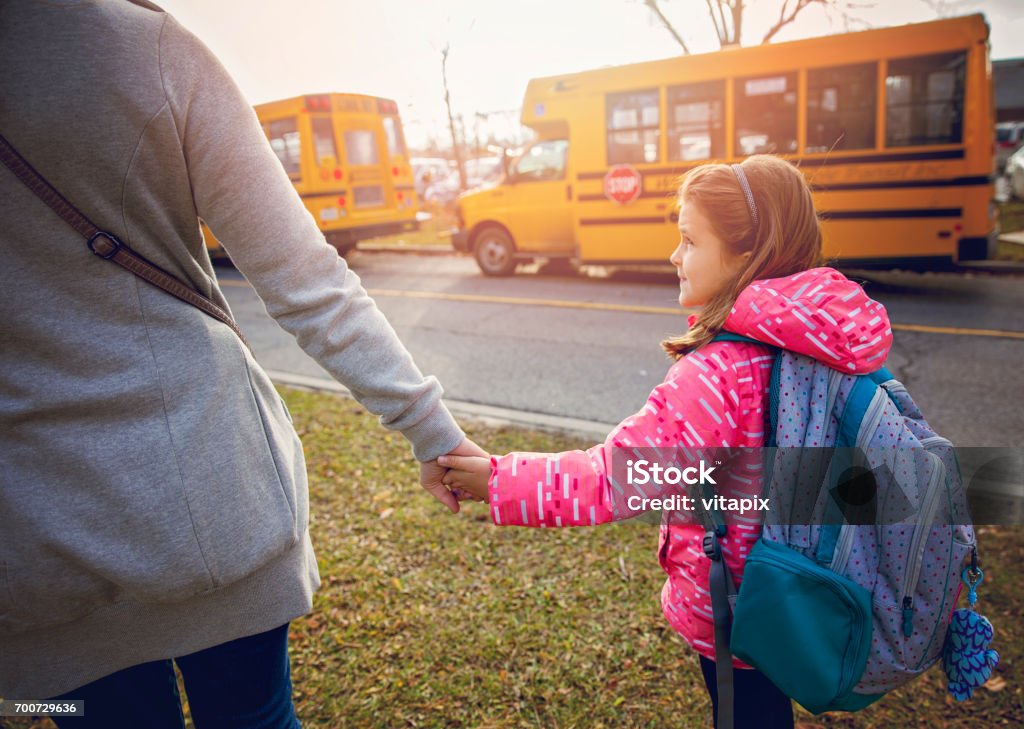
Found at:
(1011, 218)
(434, 233)
(425, 619)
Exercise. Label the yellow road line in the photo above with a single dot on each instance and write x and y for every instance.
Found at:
(958, 330)
(556, 303)
(559, 304)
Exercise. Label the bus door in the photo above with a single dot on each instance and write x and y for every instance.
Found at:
(538, 199)
(365, 158)
(398, 157)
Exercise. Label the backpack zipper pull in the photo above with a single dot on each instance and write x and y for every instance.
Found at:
(908, 616)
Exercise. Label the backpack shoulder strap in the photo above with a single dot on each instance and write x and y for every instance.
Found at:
(724, 336)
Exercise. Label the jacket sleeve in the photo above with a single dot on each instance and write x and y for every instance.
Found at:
(694, 412)
(246, 198)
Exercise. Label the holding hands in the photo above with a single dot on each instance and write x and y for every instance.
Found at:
(458, 476)
(467, 476)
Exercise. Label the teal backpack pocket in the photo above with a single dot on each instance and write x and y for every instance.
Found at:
(803, 626)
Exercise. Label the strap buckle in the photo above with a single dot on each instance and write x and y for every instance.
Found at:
(712, 550)
(105, 245)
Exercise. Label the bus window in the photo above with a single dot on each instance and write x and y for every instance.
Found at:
(766, 115)
(841, 107)
(924, 99)
(323, 140)
(393, 133)
(361, 147)
(696, 121)
(286, 143)
(543, 161)
(633, 127)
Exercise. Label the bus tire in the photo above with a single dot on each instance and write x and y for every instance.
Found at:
(494, 251)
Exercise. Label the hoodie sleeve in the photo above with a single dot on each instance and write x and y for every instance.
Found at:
(243, 193)
(705, 402)
(819, 313)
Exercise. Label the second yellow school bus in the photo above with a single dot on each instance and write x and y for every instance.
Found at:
(892, 127)
(346, 156)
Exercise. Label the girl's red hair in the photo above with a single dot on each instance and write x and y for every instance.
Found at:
(787, 238)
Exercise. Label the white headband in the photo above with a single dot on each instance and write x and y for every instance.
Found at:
(738, 171)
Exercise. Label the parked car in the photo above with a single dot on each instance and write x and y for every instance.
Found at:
(429, 171)
(1015, 173)
(1009, 137)
(482, 171)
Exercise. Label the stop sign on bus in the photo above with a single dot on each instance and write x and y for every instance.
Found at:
(622, 184)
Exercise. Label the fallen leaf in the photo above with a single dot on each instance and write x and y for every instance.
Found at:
(996, 684)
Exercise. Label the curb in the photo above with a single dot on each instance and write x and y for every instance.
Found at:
(413, 249)
(491, 415)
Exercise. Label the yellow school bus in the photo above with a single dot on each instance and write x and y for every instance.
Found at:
(892, 127)
(346, 155)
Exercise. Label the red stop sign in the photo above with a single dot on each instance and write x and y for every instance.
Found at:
(622, 184)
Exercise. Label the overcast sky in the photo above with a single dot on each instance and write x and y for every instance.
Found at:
(392, 48)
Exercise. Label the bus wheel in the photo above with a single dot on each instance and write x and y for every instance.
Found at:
(494, 252)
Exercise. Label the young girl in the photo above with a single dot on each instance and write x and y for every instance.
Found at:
(749, 244)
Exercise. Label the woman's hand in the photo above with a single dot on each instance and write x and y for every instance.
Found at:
(469, 474)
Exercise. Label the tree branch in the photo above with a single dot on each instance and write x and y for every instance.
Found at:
(737, 20)
(653, 5)
(714, 20)
(785, 20)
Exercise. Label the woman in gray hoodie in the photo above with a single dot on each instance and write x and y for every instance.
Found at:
(153, 497)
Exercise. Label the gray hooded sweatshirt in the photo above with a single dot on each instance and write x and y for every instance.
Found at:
(153, 497)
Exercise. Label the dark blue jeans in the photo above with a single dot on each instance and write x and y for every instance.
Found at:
(245, 683)
(758, 702)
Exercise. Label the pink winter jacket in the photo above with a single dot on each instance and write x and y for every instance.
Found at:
(714, 397)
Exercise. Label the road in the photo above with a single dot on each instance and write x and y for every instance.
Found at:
(586, 347)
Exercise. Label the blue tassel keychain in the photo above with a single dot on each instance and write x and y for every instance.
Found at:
(966, 657)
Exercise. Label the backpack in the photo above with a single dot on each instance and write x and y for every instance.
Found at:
(849, 591)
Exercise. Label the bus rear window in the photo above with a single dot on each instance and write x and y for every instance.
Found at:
(286, 143)
(924, 100)
(323, 140)
(633, 119)
(696, 121)
(361, 147)
(766, 114)
(841, 107)
(393, 133)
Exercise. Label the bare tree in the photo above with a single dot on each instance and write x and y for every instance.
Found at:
(456, 147)
(653, 5)
(727, 17)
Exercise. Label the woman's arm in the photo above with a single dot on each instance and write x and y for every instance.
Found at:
(245, 196)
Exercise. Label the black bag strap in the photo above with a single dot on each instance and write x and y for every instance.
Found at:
(106, 245)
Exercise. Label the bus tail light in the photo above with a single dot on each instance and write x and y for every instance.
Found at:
(399, 195)
(337, 174)
(341, 202)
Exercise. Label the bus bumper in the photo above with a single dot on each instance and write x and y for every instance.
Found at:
(979, 248)
(460, 240)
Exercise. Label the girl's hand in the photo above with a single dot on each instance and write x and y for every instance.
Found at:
(467, 473)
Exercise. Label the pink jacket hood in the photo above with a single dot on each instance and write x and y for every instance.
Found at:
(819, 313)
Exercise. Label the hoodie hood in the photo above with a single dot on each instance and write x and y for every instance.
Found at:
(818, 313)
